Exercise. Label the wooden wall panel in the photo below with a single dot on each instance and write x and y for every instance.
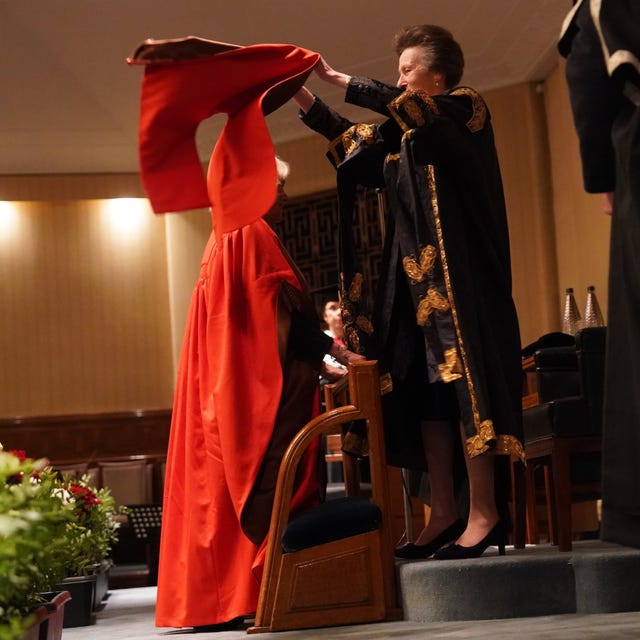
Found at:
(84, 324)
(520, 130)
(70, 187)
(88, 437)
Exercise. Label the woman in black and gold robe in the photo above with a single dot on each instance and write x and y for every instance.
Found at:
(444, 323)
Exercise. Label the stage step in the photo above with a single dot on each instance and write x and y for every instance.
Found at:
(595, 577)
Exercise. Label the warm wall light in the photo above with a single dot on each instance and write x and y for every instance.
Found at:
(9, 221)
(126, 218)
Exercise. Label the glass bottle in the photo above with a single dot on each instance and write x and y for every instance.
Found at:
(592, 314)
(571, 315)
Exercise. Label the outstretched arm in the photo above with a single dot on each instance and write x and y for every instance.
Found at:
(330, 75)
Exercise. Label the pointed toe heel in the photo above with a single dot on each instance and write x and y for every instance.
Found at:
(496, 537)
(411, 551)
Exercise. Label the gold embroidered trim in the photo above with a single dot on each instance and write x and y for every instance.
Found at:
(505, 445)
(431, 181)
(434, 300)
(355, 288)
(417, 271)
(350, 140)
(479, 115)
(354, 136)
(510, 446)
(409, 107)
(478, 444)
(451, 369)
(353, 339)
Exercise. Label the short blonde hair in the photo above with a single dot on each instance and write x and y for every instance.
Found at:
(283, 169)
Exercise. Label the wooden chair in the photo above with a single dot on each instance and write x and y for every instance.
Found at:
(329, 582)
(563, 432)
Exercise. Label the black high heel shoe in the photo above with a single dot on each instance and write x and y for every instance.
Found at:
(413, 551)
(496, 537)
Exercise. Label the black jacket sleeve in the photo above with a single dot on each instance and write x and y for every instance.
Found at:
(306, 341)
(595, 101)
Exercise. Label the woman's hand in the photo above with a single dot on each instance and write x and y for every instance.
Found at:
(330, 75)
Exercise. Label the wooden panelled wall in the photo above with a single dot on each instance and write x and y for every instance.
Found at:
(93, 325)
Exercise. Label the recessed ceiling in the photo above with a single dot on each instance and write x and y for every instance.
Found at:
(70, 103)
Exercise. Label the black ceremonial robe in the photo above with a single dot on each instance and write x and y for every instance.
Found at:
(443, 310)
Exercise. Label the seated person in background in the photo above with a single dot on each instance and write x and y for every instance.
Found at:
(332, 369)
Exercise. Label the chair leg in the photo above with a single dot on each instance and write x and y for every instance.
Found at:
(533, 535)
(550, 505)
(519, 503)
(560, 464)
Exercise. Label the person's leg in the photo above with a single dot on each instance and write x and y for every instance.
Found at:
(438, 439)
(483, 512)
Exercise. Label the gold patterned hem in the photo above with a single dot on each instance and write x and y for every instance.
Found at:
(502, 444)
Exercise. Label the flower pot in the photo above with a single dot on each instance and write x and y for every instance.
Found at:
(79, 610)
(102, 585)
(56, 607)
(38, 625)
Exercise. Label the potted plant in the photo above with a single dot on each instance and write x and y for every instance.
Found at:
(33, 526)
(90, 535)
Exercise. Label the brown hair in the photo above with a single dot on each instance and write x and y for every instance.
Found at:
(442, 53)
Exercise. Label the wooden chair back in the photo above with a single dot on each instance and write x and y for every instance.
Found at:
(346, 581)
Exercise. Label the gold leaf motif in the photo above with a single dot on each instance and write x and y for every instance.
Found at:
(412, 269)
(479, 115)
(432, 301)
(451, 369)
(427, 258)
(415, 271)
(359, 134)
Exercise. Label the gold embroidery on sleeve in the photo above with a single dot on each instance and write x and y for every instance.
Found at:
(479, 115)
(351, 139)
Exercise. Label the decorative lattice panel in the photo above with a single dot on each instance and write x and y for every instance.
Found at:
(309, 231)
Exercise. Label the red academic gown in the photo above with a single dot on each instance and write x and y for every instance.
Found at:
(226, 411)
(236, 405)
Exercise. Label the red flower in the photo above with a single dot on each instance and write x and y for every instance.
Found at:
(84, 497)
